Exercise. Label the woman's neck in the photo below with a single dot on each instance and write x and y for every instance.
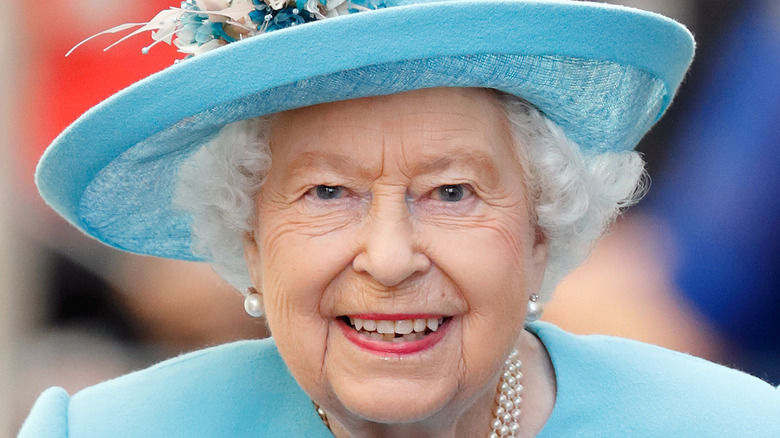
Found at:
(540, 386)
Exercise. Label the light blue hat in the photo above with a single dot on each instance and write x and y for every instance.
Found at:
(605, 74)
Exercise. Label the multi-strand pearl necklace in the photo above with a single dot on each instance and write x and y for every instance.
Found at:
(508, 400)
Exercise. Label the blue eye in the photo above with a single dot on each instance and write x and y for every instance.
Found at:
(329, 192)
(451, 193)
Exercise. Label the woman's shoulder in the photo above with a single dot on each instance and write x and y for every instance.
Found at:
(237, 389)
(613, 384)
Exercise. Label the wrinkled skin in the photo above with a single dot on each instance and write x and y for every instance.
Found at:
(421, 208)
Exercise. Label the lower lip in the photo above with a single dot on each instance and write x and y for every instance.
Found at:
(394, 348)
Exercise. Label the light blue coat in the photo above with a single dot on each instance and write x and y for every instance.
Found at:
(607, 387)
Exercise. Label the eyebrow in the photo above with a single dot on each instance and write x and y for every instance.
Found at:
(481, 162)
(326, 160)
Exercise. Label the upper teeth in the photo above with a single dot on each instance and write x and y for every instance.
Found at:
(400, 327)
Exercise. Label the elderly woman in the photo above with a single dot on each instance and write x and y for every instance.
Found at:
(398, 191)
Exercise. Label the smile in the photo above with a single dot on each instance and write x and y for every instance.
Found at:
(395, 330)
(394, 334)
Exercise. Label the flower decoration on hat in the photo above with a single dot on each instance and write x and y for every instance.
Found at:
(198, 26)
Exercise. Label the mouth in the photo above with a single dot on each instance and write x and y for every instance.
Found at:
(395, 330)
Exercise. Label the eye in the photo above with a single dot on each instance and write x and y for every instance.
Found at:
(327, 192)
(451, 193)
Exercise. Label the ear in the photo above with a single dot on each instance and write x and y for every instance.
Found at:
(252, 258)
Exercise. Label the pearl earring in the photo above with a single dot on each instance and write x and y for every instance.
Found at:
(253, 303)
(535, 309)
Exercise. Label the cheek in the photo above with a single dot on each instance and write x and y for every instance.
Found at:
(296, 271)
(499, 244)
(487, 264)
(299, 263)
(490, 265)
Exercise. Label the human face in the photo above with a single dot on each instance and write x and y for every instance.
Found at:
(401, 207)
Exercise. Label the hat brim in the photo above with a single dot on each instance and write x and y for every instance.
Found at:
(605, 74)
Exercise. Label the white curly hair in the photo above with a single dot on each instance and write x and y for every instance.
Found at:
(575, 194)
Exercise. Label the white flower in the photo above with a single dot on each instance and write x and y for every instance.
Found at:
(337, 7)
(330, 8)
(276, 4)
(198, 49)
(313, 7)
(184, 37)
(166, 24)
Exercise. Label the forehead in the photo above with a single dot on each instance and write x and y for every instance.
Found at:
(423, 128)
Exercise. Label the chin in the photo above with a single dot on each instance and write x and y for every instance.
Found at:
(396, 402)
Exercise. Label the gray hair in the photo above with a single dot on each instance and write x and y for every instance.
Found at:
(575, 194)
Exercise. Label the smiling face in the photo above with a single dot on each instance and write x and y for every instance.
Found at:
(406, 214)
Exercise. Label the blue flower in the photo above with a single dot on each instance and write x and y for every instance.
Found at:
(285, 18)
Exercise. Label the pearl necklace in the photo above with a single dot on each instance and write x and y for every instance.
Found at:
(508, 400)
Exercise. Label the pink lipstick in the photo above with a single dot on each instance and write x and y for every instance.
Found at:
(394, 334)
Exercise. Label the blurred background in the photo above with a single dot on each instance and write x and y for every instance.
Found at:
(694, 267)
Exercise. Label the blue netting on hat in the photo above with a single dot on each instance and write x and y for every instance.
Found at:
(599, 104)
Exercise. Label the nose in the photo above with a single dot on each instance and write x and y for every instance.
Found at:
(390, 249)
